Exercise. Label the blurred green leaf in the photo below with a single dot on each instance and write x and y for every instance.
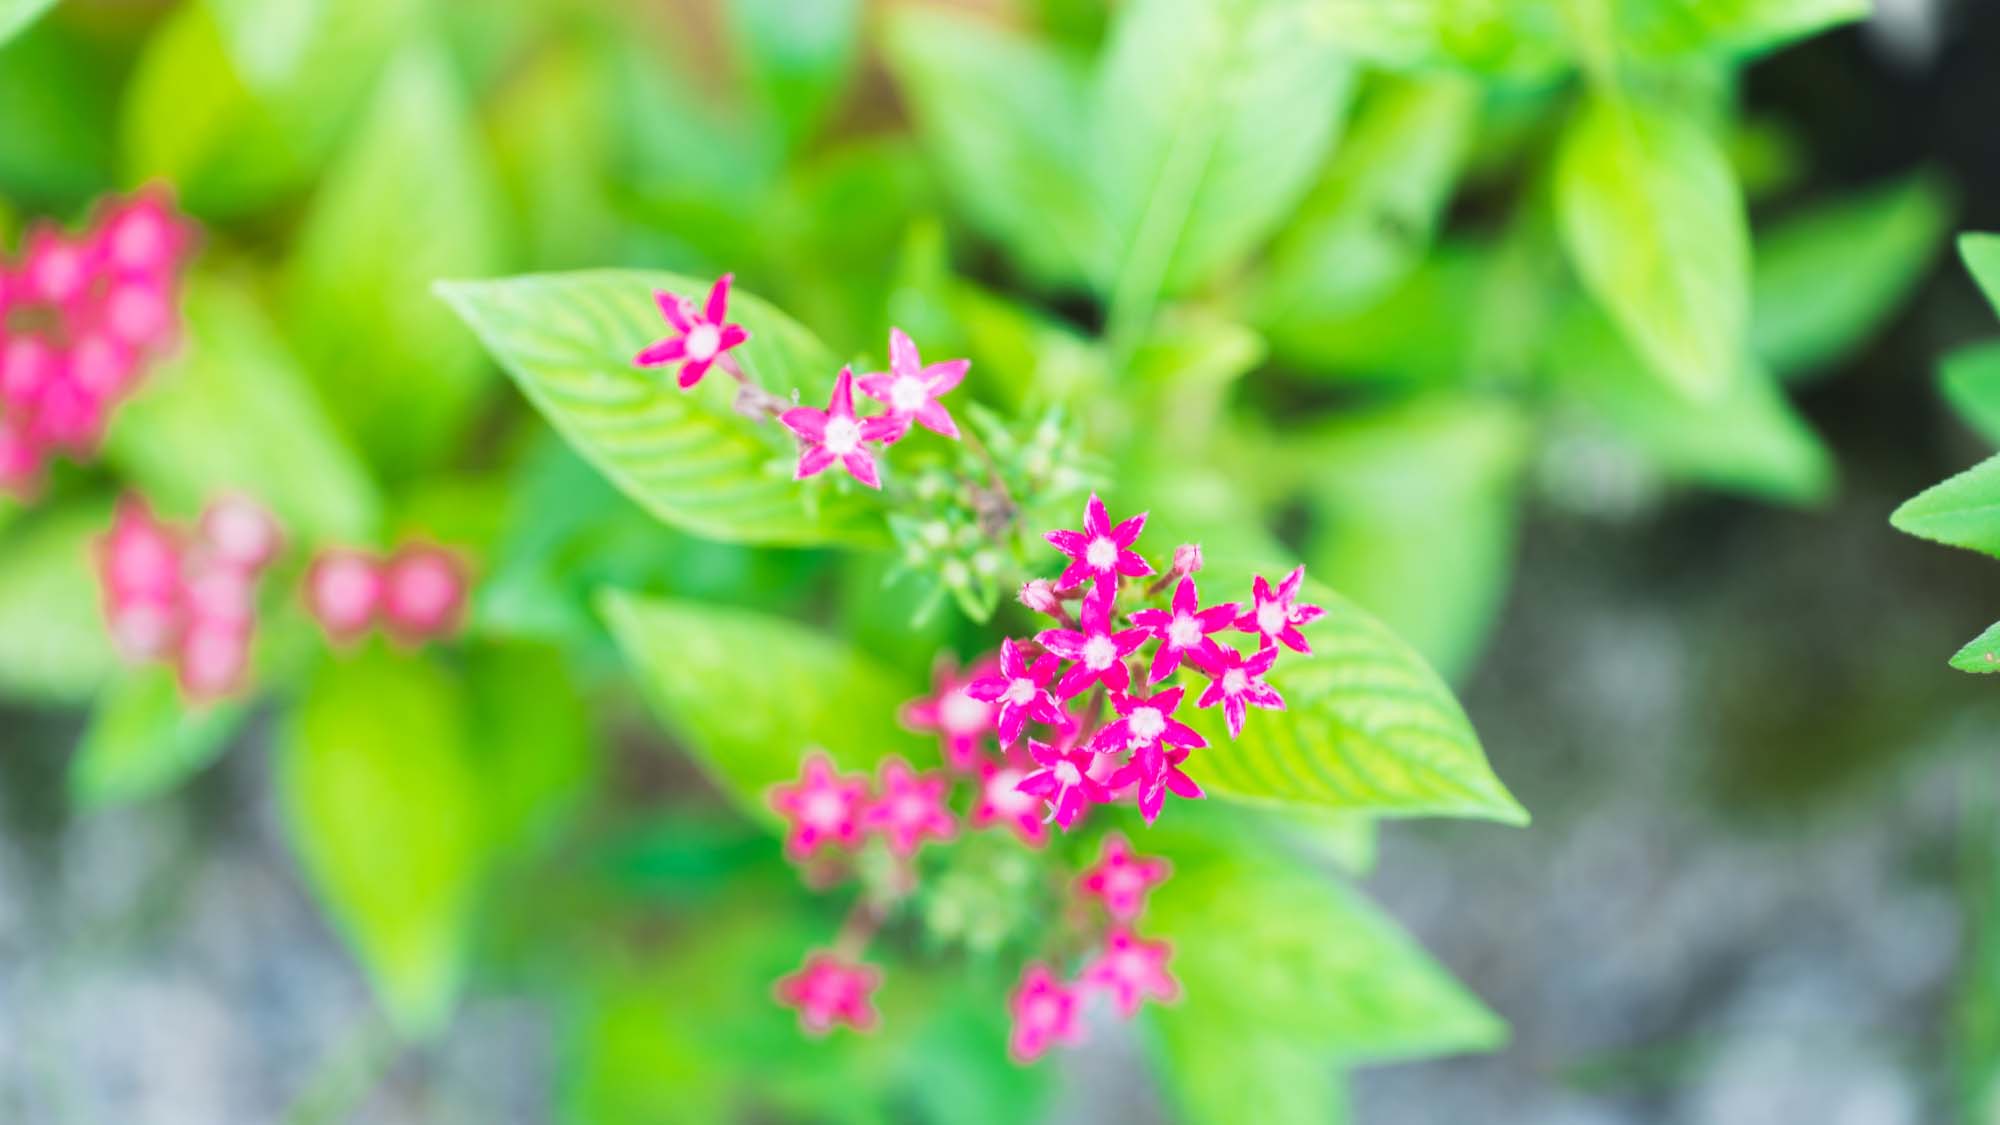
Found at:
(358, 290)
(1657, 28)
(145, 738)
(383, 806)
(1971, 381)
(1827, 279)
(1220, 1072)
(529, 740)
(1417, 335)
(232, 412)
(53, 642)
(1981, 252)
(1524, 39)
(751, 695)
(797, 58)
(1961, 512)
(16, 15)
(1981, 653)
(686, 456)
(56, 112)
(1651, 216)
(552, 129)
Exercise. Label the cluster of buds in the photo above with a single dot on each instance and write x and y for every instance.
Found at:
(417, 593)
(81, 317)
(187, 597)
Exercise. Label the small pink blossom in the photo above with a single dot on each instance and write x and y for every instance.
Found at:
(140, 557)
(1039, 595)
(835, 434)
(1021, 689)
(214, 660)
(1132, 970)
(1121, 878)
(1098, 652)
(1063, 781)
(1187, 559)
(423, 593)
(910, 807)
(1001, 801)
(1237, 681)
(822, 807)
(1101, 551)
(240, 532)
(1045, 1013)
(1152, 776)
(56, 268)
(27, 366)
(828, 991)
(141, 236)
(961, 722)
(344, 592)
(1182, 629)
(910, 390)
(1274, 617)
(1144, 723)
(705, 333)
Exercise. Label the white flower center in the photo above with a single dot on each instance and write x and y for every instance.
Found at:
(703, 341)
(1067, 775)
(1098, 653)
(824, 809)
(1021, 691)
(911, 808)
(1147, 724)
(1123, 882)
(1235, 682)
(907, 394)
(962, 714)
(1044, 1012)
(1102, 554)
(1185, 632)
(1270, 617)
(843, 436)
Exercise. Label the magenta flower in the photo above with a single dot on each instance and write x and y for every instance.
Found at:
(705, 333)
(1181, 630)
(214, 660)
(1021, 689)
(1045, 1013)
(1237, 681)
(1121, 878)
(910, 390)
(240, 532)
(343, 592)
(1098, 652)
(1275, 618)
(1131, 970)
(1144, 722)
(423, 593)
(910, 808)
(835, 434)
(828, 991)
(822, 807)
(1002, 802)
(1063, 781)
(960, 721)
(141, 236)
(1153, 776)
(1100, 551)
(139, 572)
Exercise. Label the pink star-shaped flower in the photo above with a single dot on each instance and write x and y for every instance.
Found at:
(1131, 970)
(1021, 689)
(1154, 775)
(1098, 652)
(1002, 802)
(142, 236)
(705, 333)
(822, 806)
(910, 807)
(835, 434)
(828, 991)
(910, 390)
(1144, 722)
(1121, 878)
(960, 721)
(1045, 1013)
(1063, 781)
(1274, 617)
(1237, 681)
(1100, 551)
(1180, 630)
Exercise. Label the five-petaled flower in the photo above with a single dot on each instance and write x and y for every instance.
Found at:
(1101, 551)
(1098, 652)
(822, 807)
(1152, 777)
(1121, 878)
(1045, 1013)
(705, 333)
(1145, 722)
(828, 991)
(835, 434)
(1274, 615)
(1021, 689)
(1063, 780)
(1181, 629)
(910, 808)
(1132, 969)
(960, 721)
(1237, 681)
(1002, 802)
(910, 389)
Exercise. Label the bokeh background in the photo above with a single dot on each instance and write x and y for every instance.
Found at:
(1764, 871)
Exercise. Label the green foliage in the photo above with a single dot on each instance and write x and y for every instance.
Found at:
(53, 644)
(55, 147)
(1961, 512)
(16, 15)
(145, 738)
(1981, 653)
(797, 59)
(1971, 382)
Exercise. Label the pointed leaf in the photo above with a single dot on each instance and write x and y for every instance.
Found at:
(1972, 384)
(1524, 39)
(1981, 252)
(1962, 512)
(1667, 28)
(1981, 653)
(53, 643)
(145, 738)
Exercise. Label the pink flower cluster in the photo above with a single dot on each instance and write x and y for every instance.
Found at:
(827, 809)
(81, 317)
(417, 594)
(187, 599)
(1110, 732)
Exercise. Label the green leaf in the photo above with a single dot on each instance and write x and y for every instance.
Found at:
(1652, 218)
(1961, 512)
(1826, 280)
(232, 412)
(55, 146)
(1524, 39)
(530, 740)
(1981, 653)
(1368, 727)
(687, 457)
(145, 738)
(1971, 381)
(16, 15)
(1981, 252)
(796, 58)
(383, 807)
(1665, 28)
(1210, 118)
(750, 695)
(53, 642)
(1002, 117)
(1222, 1072)
(376, 238)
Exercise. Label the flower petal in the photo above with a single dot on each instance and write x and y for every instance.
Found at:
(673, 309)
(662, 352)
(861, 466)
(813, 460)
(903, 359)
(806, 421)
(718, 299)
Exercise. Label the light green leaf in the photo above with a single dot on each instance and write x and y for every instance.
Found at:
(1981, 653)
(750, 695)
(53, 643)
(58, 116)
(377, 237)
(530, 740)
(16, 15)
(1826, 280)
(1002, 116)
(1961, 512)
(1971, 383)
(1525, 39)
(232, 412)
(1652, 217)
(1664, 28)
(1981, 252)
(796, 57)
(384, 809)
(145, 738)
(1220, 1073)
(687, 457)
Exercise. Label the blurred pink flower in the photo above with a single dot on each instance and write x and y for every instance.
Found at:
(822, 807)
(1121, 878)
(1045, 1013)
(1132, 970)
(828, 991)
(910, 808)
(1063, 781)
(1021, 689)
(961, 722)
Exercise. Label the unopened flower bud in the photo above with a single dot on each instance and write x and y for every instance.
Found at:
(1187, 559)
(1039, 594)
(423, 593)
